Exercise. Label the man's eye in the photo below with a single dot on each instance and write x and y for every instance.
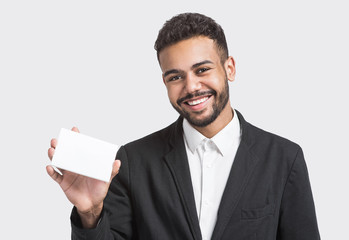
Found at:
(201, 70)
(174, 78)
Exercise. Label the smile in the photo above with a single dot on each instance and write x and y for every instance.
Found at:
(197, 101)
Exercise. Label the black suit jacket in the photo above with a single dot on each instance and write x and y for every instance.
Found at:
(267, 195)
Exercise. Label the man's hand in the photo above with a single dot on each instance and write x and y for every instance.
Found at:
(87, 194)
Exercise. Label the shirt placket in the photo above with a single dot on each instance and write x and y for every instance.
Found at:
(206, 160)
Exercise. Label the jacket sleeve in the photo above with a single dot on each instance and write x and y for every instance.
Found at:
(116, 220)
(297, 212)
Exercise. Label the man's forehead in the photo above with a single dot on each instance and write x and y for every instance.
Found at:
(188, 52)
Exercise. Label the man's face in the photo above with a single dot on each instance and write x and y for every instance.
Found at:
(196, 80)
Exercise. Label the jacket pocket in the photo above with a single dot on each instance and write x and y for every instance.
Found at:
(250, 214)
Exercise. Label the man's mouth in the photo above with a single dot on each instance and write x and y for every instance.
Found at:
(194, 99)
(197, 101)
(197, 104)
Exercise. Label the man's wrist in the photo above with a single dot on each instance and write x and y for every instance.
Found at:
(91, 218)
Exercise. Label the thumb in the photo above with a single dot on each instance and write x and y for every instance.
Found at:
(53, 174)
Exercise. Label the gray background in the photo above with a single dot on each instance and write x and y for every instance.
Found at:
(91, 64)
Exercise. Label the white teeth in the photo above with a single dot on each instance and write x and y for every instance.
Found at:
(196, 102)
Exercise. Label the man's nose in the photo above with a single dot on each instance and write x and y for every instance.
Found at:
(192, 83)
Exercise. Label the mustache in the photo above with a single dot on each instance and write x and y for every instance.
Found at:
(196, 94)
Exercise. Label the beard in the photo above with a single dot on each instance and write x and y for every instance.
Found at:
(217, 107)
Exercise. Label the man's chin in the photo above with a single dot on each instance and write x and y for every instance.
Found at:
(200, 118)
(200, 121)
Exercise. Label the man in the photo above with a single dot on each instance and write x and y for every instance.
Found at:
(210, 174)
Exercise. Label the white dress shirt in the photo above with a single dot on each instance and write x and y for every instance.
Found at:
(210, 162)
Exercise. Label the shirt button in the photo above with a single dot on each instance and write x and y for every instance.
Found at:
(209, 165)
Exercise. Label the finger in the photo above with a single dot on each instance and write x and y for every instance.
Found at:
(116, 168)
(75, 129)
(51, 151)
(53, 174)
(53, 143)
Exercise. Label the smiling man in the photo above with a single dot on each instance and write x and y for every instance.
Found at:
(198, 87)
(210, 174)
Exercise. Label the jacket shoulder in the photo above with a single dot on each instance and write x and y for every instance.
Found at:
(271, 148)
(259, 139)
(266, 138)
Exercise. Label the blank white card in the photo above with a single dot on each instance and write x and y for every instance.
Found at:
(84, 155)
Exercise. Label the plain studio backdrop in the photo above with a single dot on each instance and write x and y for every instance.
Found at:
(91, 64)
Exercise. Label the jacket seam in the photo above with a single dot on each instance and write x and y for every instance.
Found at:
(289, 175)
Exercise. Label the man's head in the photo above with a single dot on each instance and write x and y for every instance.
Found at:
(193, 56)
(188, 25)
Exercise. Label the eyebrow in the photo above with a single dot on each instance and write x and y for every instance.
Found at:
(201, 63)
(192, 67)
(170, 72)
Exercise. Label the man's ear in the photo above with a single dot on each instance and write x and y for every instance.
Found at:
(230, 68)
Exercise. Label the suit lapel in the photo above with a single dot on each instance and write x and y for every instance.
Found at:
(240, 173)
(177, 161)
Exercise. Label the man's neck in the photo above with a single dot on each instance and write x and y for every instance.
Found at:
(217, 125)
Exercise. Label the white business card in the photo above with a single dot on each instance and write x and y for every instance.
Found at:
(84, 155)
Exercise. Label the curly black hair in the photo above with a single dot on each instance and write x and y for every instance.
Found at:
(188, 25)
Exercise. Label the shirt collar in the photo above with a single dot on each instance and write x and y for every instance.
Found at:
(192, 136)
(224, 140)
